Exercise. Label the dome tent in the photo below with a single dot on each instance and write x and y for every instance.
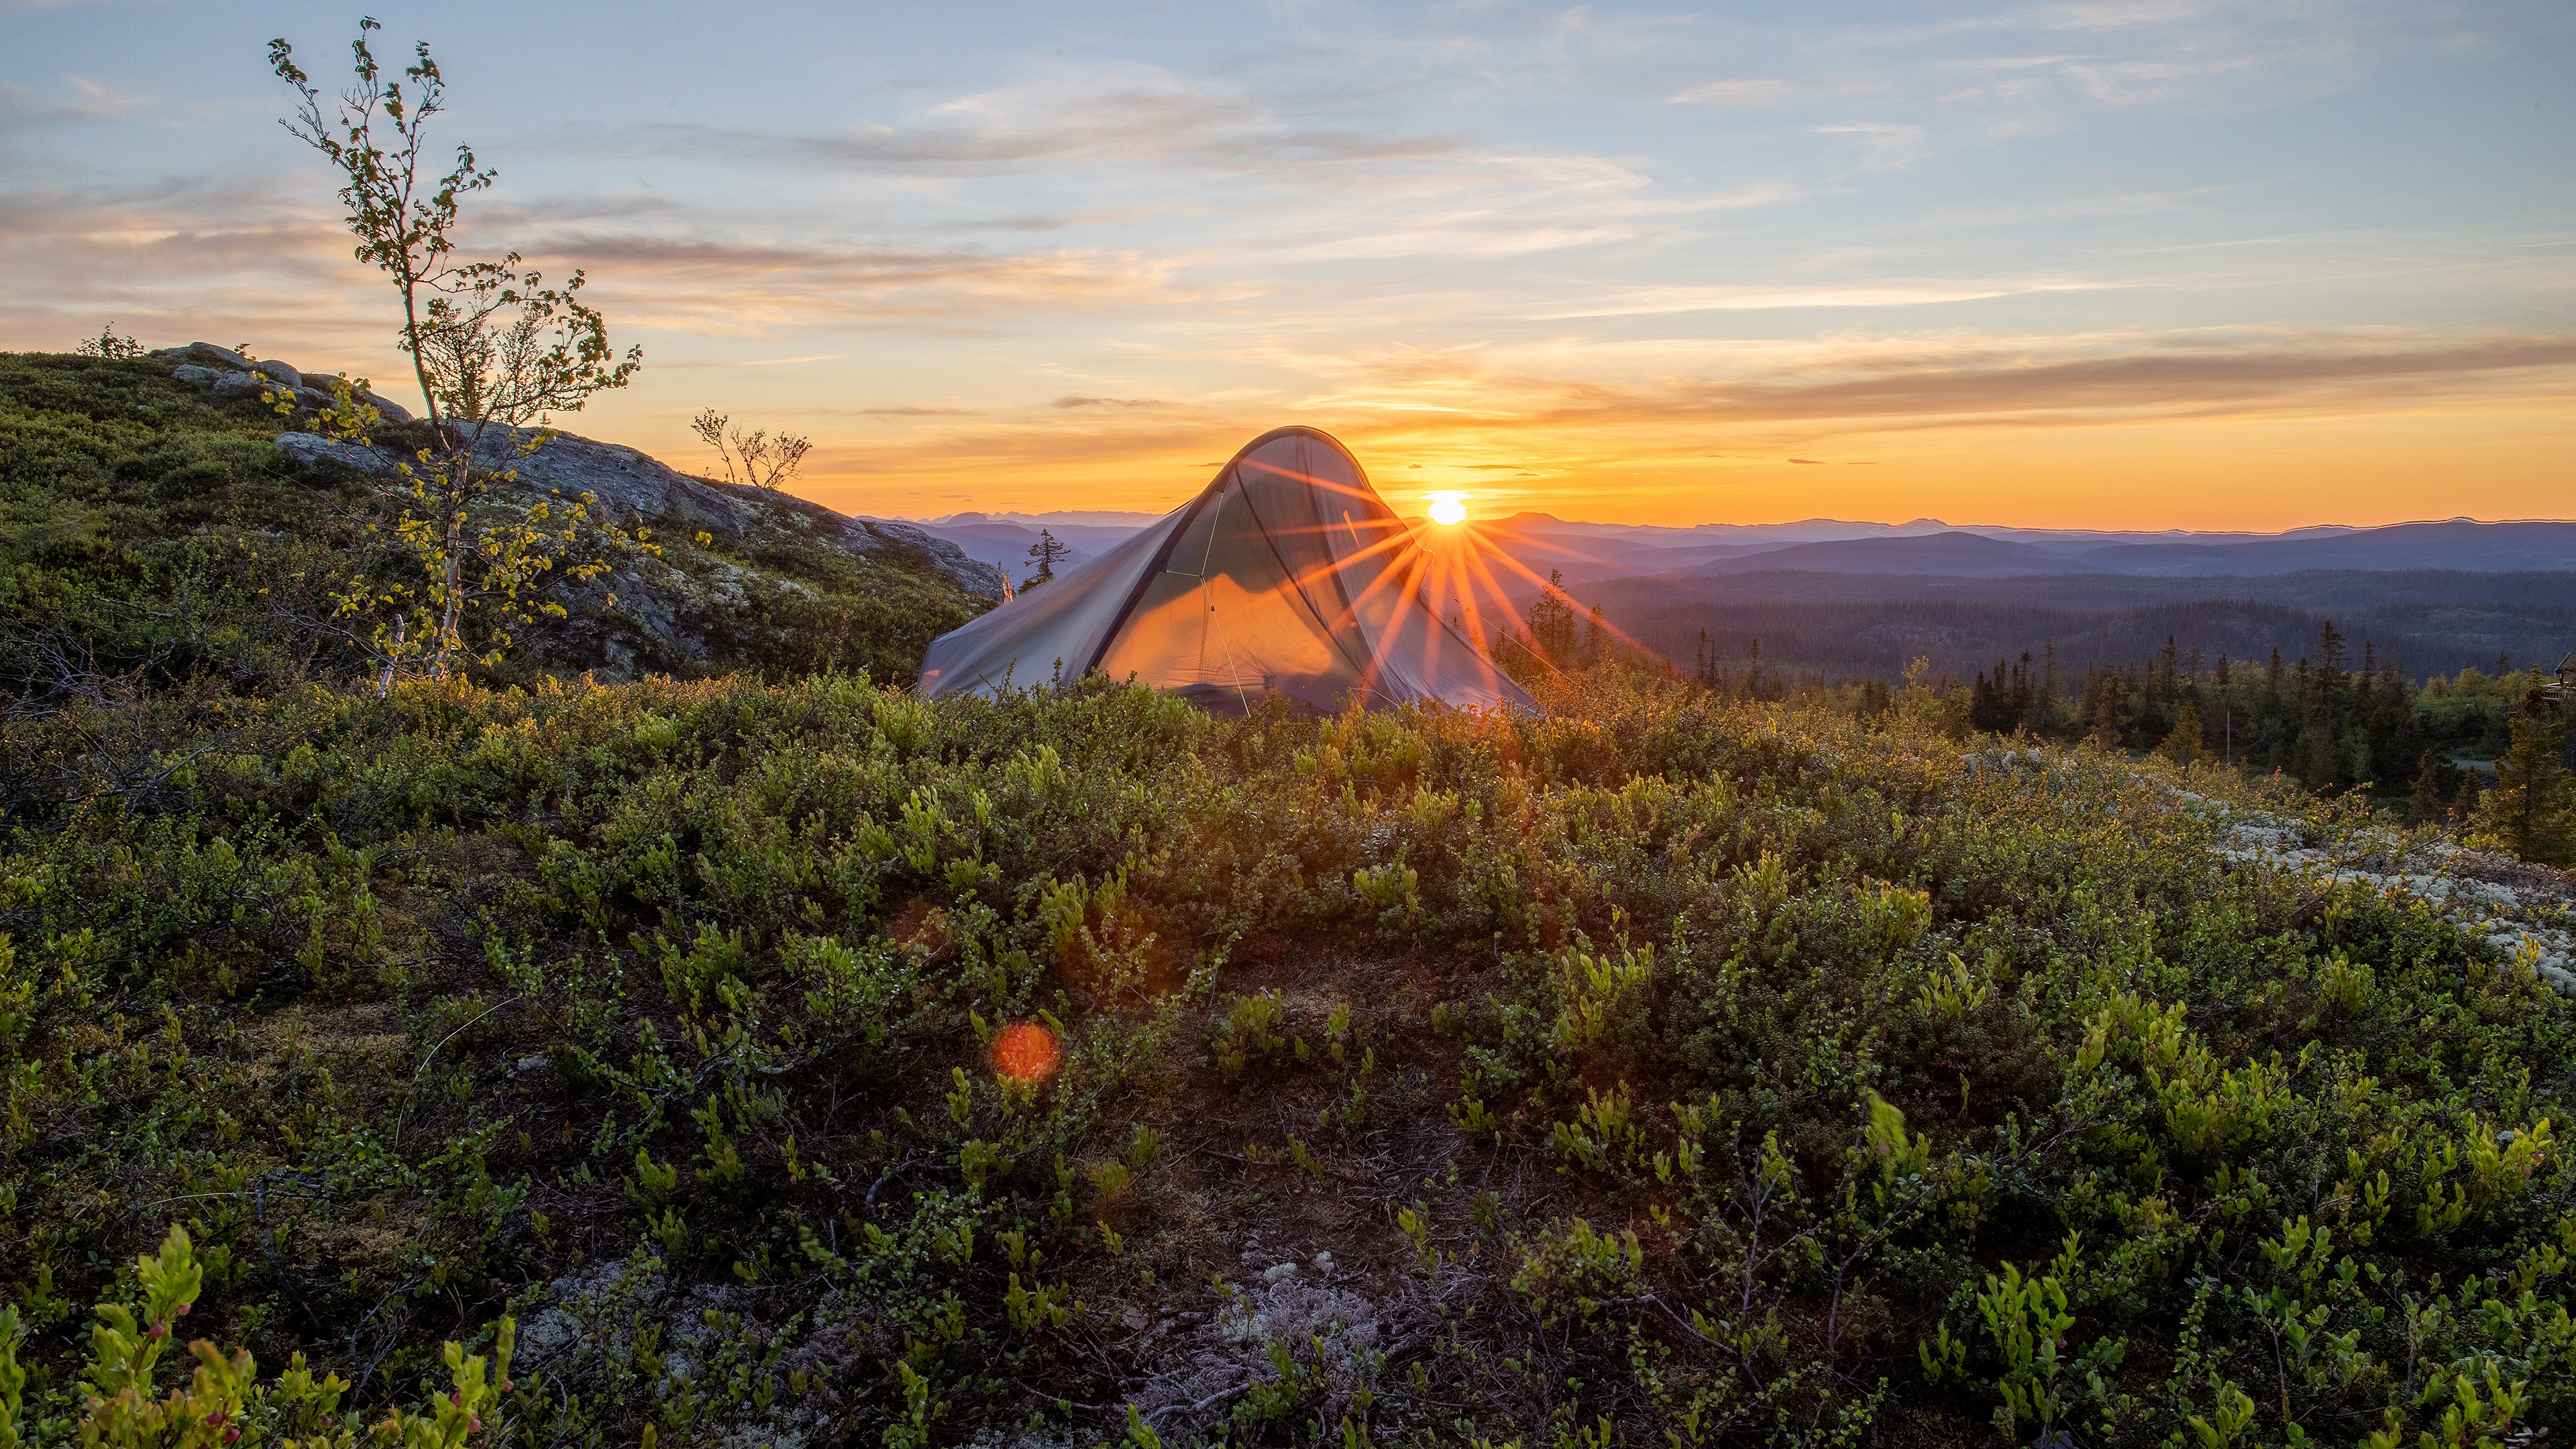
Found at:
(1286, 577)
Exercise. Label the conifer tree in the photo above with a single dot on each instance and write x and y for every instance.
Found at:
(1046, 551)
(2424, 802)
(2106, 714)
(2532, 810)
(1552, 630)
(1598, 646)
(2464, 805)
(2184, 746)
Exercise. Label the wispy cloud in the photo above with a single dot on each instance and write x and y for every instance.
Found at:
(89, 100)
(1892, 292)
(1876, 385)
(1884, 146)
(1112, 404)
(1770, 92)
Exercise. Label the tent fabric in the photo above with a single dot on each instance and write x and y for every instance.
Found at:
(1287, 577)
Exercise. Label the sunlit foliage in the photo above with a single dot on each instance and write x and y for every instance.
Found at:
(1661, 1069)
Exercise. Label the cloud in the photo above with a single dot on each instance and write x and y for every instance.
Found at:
(1663, 301)
(1902, 383)
(1888, 146)
(1769, 92)
(1116, 403)
(725, 285)
(92, 101)
(703, 365)
(1059, 115)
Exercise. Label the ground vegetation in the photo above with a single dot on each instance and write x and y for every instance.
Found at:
(804, 1062)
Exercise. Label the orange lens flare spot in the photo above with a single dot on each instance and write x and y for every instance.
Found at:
(1448, 509)
(1026, 1052)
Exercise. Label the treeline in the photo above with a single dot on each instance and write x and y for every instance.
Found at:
(2328, 720)
(2324, 719)
(1840, 626)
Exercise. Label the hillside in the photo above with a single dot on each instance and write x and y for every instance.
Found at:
(171, 525)
(808, 1064)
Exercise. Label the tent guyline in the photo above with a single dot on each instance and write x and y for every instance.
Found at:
(1307, 588)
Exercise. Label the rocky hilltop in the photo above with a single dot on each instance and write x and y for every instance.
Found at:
(181, 461)
(632, 486)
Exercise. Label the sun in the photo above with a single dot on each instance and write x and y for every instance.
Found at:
(1448, 509)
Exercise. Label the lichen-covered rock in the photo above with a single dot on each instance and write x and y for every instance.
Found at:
(207, 354)
(203, 364)
(631, 485)
(314, 450)
(760, 591)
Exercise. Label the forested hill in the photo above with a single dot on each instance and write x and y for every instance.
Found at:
(152, 523)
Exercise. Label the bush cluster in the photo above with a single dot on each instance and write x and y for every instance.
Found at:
(808, 1062)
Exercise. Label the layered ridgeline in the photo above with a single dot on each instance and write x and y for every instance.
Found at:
(175, 515)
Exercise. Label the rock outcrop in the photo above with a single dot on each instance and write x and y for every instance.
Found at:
(229, 374)
(632, 487)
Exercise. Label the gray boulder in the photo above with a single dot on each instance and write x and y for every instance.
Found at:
(207, 354)
(203, 364)
(630, 485)
(632, 488)
(312, 449)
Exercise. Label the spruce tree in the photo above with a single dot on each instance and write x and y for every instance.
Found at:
(2184, 746)
(1598, 644)
(2424, 802)
(2532, 810)
(1046, 551)
(2106, 715)
(2464, 805)
(1552, 630)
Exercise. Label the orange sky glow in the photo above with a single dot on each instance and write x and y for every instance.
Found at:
(2218, 264)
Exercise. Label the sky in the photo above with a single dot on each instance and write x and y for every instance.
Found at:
(2106, 264)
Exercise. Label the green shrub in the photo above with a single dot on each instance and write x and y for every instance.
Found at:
(1742, 1072)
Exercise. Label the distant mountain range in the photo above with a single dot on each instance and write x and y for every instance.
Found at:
(1956, 554)
(1839, 599)
(1585, 553)
(1928, 547)
(1004, 540)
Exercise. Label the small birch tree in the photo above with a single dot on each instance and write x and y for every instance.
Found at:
(493, 349)
(759, 458)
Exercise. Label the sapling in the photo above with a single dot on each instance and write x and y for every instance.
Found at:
(493, 349)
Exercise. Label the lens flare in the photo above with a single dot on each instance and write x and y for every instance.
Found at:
(1448, 509)
(1026, 1052)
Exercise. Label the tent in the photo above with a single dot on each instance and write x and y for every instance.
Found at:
(1287, 577)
